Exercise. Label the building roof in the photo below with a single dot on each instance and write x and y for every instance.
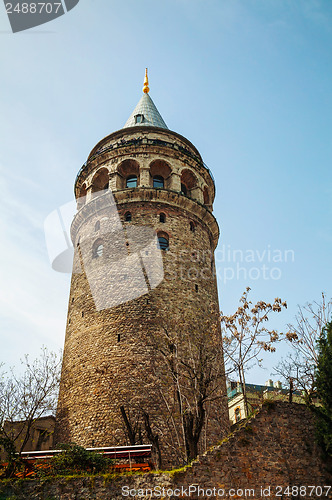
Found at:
(145, 114)
(150, 114)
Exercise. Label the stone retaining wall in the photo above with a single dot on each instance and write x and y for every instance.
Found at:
(274, 449)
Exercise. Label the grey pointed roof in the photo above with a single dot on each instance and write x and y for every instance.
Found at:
(151, 115)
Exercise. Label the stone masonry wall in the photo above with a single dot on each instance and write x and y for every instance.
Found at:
(273, 450)
(109, 361)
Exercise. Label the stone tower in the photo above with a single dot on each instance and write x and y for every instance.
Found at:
(143, 279)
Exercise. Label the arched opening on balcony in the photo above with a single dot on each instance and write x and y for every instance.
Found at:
(100, 181)
(188, 182)
(160, 172)
(129, 174)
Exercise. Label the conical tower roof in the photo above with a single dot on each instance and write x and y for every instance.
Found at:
(145, 113)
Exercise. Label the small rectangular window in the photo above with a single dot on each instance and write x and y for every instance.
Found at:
(139, 118)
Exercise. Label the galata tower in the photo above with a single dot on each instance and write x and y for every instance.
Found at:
(143, 356)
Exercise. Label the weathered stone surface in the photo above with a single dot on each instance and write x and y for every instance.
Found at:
(118, 299)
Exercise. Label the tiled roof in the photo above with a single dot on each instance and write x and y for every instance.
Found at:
(145, 114)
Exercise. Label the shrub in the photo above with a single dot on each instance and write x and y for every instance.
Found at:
(75, 460)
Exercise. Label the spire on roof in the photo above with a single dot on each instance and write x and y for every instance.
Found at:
(146, 87)
(145, 113)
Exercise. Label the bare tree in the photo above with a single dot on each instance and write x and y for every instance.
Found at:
(309, 322)
(189, 374)
(26, 397)
(299, 367)
(246, 336)
(175, 376)
(295, 374)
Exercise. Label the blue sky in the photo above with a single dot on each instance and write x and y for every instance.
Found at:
(247, 81)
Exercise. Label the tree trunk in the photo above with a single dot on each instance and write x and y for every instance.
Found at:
(243, 387)
(193, 427)
(154, 438)
(130, 431)
(290, 399)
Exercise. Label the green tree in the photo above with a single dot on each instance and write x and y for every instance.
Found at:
(324, 388)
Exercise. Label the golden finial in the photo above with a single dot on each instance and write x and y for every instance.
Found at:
(146, 82)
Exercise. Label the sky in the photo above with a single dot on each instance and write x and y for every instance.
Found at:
(248, 82)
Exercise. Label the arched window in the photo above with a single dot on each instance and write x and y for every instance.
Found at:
(237, 414)
(128, 217)
(131, 181)
(192, 226)
(184, 189)
(97, 249)
(162, 217)
(162, 243)
(158, 182)
(97, 225)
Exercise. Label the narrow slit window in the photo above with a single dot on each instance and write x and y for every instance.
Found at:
(97, 225)
(162, 218)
